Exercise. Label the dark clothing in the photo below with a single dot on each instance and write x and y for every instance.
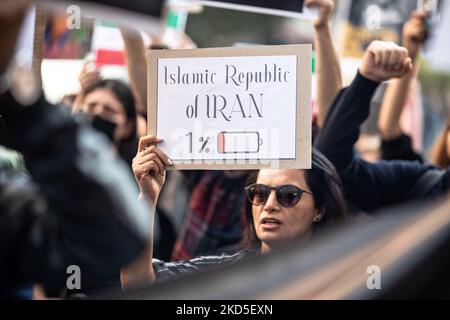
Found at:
(368, 186)
(172, 270)
(399, 149)
(80, 209)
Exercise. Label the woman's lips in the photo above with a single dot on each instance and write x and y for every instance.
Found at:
(270, 224)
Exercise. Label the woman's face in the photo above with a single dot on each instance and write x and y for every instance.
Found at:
(274, 223)
(102, 102)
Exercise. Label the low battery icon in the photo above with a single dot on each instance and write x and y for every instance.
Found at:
(238, 142)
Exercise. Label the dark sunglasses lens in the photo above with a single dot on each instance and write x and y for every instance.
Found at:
(288, 196)
(258, 194)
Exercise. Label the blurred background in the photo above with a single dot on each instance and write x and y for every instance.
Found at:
(62, 48)
(60, 38)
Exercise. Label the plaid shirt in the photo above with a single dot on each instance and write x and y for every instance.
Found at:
(213, 220)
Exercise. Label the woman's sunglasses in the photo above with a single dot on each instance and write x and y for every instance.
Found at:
(286, 195)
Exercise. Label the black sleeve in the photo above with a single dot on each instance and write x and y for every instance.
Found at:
(173, 270)
(341, 127)
(399, 149)
(369, 186)
(96, 221)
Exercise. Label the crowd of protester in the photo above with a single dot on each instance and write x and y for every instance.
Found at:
(86, 186)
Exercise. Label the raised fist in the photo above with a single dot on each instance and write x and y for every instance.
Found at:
(325, 10)
(384, 60)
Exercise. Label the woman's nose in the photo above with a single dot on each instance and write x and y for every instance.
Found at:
(97, 110)
(272, 203)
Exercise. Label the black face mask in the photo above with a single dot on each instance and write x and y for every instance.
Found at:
(105, 126)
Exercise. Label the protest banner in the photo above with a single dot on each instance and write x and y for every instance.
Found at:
(286, 8)
(232, 108)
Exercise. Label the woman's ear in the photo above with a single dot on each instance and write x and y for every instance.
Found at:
(318, 215)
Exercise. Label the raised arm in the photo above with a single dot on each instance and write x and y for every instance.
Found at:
(369, 186)
(329, 77)
(137, 67)
(414, 34)
(149, 168)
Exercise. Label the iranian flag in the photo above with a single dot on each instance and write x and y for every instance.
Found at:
(107, 44)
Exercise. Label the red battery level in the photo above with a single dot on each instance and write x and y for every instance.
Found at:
(238, 142)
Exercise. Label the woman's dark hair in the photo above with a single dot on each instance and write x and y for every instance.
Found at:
(439, 150)
(127, 147)
(327, 190)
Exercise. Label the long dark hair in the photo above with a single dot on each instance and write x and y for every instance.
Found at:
(327, 190)
(127, 147)
(439, 153)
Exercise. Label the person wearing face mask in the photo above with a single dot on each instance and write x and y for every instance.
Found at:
(77, 205)
(112, 106)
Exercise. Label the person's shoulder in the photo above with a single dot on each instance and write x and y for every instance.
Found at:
(170, 270)
(445, 180)
(408, 165)
(431, 184)
(225, 257)
(243, 253)
(206, 259)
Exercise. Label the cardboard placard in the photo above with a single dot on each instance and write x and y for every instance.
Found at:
(232, 108)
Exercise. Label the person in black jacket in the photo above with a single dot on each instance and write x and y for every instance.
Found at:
(371, 186)
(80, 207)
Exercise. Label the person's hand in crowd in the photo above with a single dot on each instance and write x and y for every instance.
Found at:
(12, 13)
(328, 69)
(415, 32)
(325, 10)
(385, 60)
(149, 167)
(397, 92)
(89, 75)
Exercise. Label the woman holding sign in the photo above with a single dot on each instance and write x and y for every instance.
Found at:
(283, 205)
